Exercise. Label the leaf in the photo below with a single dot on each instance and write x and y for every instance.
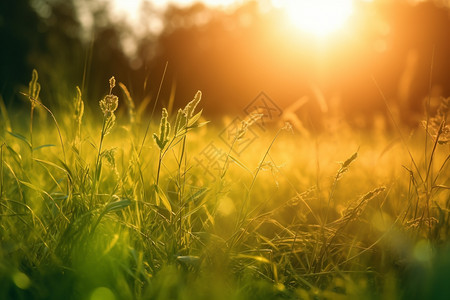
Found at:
(163, 198)
(112, 206)
(44, 146)
(239, 163)
(33, 187)
(254, 257)
(189, 260)
(194, 119)
(51, 164)
(439, 186)
(117, 205)
(20, 137)
(193, 211)
(4, 113)
(197, 195)
(198, 125)
(17, 156)
(67, 169)
(98, 171)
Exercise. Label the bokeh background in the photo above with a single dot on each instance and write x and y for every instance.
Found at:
(231, 50)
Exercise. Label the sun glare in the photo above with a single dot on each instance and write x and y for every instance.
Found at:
(317, 17)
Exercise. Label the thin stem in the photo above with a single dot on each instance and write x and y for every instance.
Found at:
(181, 186)
(31, 132)
(262, 161)
(54, 120)
(391, 115)
(159, 167)
(153, 110)
(427, 106)
(97, 161)
(57, 128)
(100, 145)
(224, 169)
(429, 188)
(241, 216)
(440, 170)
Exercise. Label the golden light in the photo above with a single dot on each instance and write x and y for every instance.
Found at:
(317, 17)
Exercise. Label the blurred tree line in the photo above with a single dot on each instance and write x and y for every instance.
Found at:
(47, 36)
(231, 56)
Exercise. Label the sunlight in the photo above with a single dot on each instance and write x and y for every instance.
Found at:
(318, 17)
(129, 8)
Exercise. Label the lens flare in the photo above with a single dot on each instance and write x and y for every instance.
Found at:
(317, 17)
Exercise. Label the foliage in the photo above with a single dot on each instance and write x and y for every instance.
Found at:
(285, 222)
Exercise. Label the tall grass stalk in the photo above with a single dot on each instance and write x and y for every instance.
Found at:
(243, 214)
(427, 104)
(108, 105)
(153, 110)
(33, 93)
(397, 127)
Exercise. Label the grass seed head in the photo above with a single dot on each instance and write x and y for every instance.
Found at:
(129, 102)
(288, 127)
(109, 104)
(34, 88)
(190, 107)
(347, 163)
(79, 107)
(180, 121)
(112, 84)
(245, 124)
(437, 126)
(164, 131)
(253, 118)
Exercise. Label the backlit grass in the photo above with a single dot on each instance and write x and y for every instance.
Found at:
(107, 206)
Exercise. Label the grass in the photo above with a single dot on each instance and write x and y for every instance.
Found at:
(102, 211)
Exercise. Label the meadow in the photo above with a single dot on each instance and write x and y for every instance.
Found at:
(115, 204)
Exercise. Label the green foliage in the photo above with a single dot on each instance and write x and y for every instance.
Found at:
(78, 113)
(277, 222)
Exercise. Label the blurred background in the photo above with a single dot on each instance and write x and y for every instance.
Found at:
(311, 58)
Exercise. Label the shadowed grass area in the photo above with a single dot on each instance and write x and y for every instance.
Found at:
(96, 207)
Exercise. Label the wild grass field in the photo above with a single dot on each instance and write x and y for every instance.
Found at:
(105, 204)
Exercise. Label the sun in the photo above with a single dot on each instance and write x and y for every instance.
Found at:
(317, 17)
